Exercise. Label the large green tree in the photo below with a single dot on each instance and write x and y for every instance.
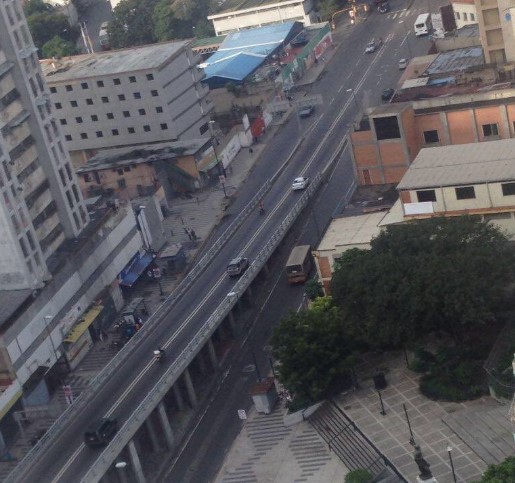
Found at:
(132, 23)
(167, 24)
(314, 354)
(58, 47)
(502, 473)
(439, 274)
(45, 22)
(32, 7)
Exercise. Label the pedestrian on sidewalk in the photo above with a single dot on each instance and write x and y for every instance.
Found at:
(193, 235)
(251, 151)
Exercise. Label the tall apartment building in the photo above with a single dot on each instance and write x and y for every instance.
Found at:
(58, 269)
(41, 203)
(496, 20)
(127, 97)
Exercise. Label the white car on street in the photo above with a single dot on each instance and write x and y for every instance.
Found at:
(403, 63)
(300, 183)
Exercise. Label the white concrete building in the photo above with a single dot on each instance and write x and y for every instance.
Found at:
(41, 204)
(465, 12)
(258, 13)
(127, 97)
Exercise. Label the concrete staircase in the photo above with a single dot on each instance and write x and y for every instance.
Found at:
(494, 442)
(349, 444)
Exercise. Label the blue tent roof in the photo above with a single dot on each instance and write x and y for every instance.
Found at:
(241, 53)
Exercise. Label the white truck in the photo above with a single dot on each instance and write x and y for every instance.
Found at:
(103, 36)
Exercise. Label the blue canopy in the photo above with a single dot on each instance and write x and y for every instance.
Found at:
(136, 267)
(241, 53)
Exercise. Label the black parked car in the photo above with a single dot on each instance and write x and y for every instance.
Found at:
(383, 7)
(387, 94)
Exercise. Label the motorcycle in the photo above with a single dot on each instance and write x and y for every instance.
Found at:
(159, 355)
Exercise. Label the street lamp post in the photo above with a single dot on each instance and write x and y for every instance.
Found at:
(449, 451)
(121, 466)
(354, 97)
(47, 318)
(383, 412)
(411, 439)
(221, 169)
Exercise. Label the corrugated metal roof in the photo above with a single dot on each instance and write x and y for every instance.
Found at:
(461, 164)
(243, 52)
(456, 60)
(111, 62)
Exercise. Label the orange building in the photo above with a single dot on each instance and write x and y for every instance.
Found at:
(132, 172)
(389, 137)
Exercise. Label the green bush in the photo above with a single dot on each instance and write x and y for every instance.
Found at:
(453, 376)
(358, 476)
(423, 361)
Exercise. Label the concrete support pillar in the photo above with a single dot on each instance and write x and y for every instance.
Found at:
(152, 434)
(136, 463)
(178, 397)
(201, 363)
(266, 270)
(189, 388)
(109, 477)
(121, 473)
(232, 321)
(212, 353)
(165, 424)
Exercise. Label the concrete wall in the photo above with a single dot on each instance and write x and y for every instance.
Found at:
(488, 198)
(279, 12)
(27, 341)
(464, 14)
(386, 161)
(175, 89)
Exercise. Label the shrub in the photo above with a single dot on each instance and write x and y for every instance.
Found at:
(423, 361)
(358, 476)
(452, 378)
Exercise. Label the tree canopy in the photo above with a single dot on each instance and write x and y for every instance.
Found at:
(313, 352)
(58, 47)
(45, 22)
(139, 22)
(501, 473)
(439, 274)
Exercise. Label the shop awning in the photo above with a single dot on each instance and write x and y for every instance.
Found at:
(139, 264)
(86, 320)
(13, 397)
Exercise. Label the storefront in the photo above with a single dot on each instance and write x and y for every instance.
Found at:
(78, 341)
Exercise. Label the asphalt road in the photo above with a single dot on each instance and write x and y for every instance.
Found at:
(203, 453)
(67, 458)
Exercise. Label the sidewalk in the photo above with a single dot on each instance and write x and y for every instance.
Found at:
(268, 451)
(428, 419)
(201, 214)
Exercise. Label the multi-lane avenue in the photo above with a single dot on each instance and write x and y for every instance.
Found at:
(366, 75)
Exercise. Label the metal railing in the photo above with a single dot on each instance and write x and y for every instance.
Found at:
(142, 412)
(149, 326)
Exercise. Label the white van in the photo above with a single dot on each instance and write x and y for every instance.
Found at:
(423, 24)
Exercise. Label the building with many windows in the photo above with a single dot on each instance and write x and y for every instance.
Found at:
(41, 203)
(389, 137)
(56, 262)
(127, 97)
(467, 179)
(464, 12)
(496, 27)
(237, 15)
